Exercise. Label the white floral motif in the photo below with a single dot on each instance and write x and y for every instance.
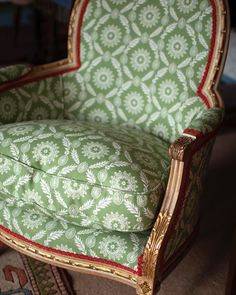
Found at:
(31, 196)
(98, 116)
(140, 60)
(20, 130)
(5, 165)
(186, 6)
(103, 78)
(149, 16)
(75, 190)
(168, 91)
(113, 247)
(116, 221)
(33, 219)
(177, 46)
(134, 103)
(69, 91)
(95, 150)
(111, 36)
(8, 108)
(124, 181)
(40, 113)
(45, 152)
(161, 131)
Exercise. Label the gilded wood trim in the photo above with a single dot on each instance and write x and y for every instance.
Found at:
(148, 283)
(71, 263)
(219, 55)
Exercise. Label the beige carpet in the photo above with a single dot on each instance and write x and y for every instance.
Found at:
(203, 270)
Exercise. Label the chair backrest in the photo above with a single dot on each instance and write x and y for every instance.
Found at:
(143, 63)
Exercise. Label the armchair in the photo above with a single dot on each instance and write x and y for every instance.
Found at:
(87, 182)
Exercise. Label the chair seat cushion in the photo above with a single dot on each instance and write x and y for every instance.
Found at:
(123, 248)
(100, 177)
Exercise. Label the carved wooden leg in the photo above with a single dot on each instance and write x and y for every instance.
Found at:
(3, 247)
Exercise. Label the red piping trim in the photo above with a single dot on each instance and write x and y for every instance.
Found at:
(210, 57)
(193, 132)
(68, 254)
(140, 265)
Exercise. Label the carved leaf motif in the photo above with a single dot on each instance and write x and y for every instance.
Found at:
(154, 243)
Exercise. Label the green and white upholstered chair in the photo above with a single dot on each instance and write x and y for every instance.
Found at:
(102, 154)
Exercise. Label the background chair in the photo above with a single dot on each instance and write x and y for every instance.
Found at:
(140, 78)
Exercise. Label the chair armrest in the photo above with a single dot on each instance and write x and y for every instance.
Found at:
(206, 122)
(179, 213)
(204, 126)
(28, 98)
(14, 72)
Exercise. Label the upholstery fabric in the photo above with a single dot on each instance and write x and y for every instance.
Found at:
(29, 222)
(13, 72)
(208, 121)
(141, 64)
(92, 176)
(89, 175)
(37, 100)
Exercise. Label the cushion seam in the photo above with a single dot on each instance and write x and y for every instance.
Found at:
(82, 181)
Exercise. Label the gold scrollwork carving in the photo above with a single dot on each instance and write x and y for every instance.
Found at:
(178, 150)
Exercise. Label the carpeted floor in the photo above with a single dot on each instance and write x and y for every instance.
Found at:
(203, 271)
(22, 275)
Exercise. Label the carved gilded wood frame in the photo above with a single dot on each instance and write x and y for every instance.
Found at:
(181, 153)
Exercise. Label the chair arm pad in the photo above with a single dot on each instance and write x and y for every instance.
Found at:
(13, 72)
(206, 122)
(198, 131)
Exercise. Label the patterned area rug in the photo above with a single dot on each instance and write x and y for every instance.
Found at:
(21, 275)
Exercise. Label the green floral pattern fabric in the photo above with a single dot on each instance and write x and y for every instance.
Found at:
(94, 184)
(31, 223)
(34, 101)
(207, 121)
(13, 72)
(141, 64)
(92, 176)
